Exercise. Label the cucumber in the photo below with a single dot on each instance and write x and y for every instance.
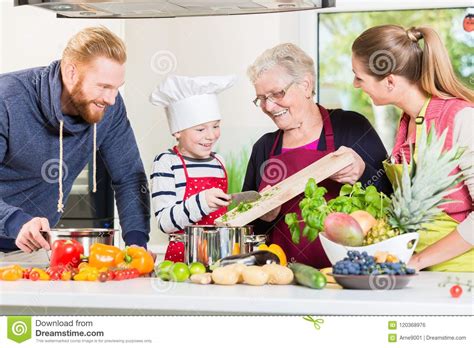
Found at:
(308, 276)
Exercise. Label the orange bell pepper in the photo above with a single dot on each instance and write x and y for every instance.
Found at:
(277, 250)
(102, 255)
(135, 257)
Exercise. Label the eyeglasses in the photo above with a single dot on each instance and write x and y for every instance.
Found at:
(273, 97)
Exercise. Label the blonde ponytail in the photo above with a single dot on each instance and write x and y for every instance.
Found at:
(417, 54)
(437, 77)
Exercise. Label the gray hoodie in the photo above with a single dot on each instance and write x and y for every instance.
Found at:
(30, 114)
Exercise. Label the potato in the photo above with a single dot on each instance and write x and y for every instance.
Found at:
(239, 267)
(278, 274)
(255, 275)
(201, 278)
(225, 276)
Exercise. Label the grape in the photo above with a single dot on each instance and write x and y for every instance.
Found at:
(357, 263)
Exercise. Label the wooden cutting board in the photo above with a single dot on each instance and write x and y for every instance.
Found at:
(286, 189)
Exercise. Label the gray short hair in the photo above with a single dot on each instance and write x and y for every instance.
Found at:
(293, 59)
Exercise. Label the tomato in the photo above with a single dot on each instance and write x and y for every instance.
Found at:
(135, 273)
(12, 274)
(118, 275)
(34, 276)
(455, 291)
(111, 275)
(67, 275)
(102, 277)
(26, 273)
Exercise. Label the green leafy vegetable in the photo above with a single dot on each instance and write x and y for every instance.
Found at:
(315, 209)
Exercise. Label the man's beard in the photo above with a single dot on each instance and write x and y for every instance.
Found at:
(84, 106)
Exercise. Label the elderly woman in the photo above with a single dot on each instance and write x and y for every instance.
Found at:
(284, 81)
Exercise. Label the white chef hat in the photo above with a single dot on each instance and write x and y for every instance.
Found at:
(190, 101)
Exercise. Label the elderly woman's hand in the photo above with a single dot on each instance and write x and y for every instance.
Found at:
(351, 173)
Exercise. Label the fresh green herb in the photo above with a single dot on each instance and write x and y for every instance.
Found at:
(243, 207)
(315, 209)
(240, 208)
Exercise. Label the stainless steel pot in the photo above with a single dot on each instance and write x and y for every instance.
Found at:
(207, 244)
(85, 236)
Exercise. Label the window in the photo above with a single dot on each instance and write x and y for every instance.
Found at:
(337, 31)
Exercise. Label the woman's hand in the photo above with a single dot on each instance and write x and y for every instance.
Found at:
(216, 198)
(272, 214)
(351, 173)
(448, 247)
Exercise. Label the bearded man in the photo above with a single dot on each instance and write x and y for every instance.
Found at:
(62, 114)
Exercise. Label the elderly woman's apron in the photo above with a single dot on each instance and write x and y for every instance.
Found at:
(443, 224)
(309, 253)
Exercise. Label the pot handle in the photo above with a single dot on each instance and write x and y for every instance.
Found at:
(177, 237)
(255, 239)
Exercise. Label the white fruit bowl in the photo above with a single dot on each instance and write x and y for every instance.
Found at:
(397, 246)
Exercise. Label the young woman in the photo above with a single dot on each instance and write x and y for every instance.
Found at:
(411, 69)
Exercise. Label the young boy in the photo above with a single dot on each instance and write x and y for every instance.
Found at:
(189, 182)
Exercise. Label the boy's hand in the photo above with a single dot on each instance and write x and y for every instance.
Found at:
(216, 198)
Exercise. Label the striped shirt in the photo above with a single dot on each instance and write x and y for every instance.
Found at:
(168, 186)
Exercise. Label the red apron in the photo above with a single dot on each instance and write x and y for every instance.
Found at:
(175, 250)
(294, 160)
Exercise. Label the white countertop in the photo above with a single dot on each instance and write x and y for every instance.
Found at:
(423, 296)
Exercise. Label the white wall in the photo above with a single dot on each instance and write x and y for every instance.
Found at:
(31, 37)
(208, 45)
(202, 46)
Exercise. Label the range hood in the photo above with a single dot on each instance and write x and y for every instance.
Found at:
(173, 8)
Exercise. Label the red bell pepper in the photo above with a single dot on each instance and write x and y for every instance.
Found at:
(66, 253)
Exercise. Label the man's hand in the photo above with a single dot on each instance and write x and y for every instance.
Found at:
(29, 238)
(351, 173)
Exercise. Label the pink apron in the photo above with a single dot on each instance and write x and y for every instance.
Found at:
(305, 252)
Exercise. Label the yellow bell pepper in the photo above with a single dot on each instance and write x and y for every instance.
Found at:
(277, 250)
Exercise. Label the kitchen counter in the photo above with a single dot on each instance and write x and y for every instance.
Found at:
(145, 296)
